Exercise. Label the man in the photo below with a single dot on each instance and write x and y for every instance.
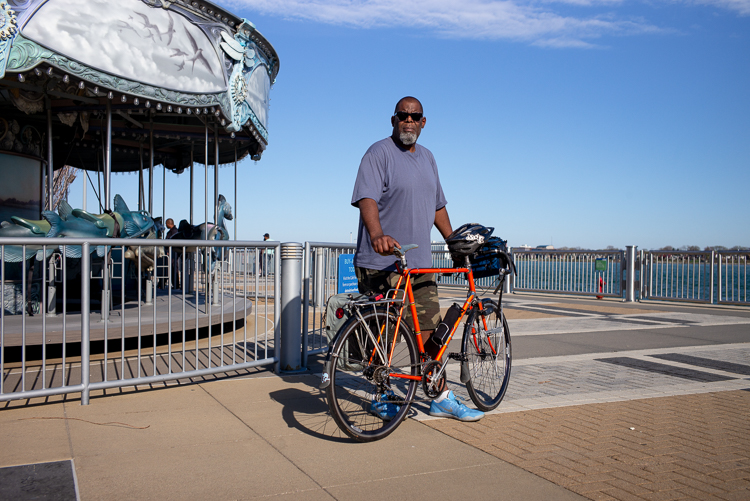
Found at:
(172, 229)
(263, 256)
(399, 197)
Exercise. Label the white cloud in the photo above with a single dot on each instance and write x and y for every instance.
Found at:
(539, 22)
(742, 7)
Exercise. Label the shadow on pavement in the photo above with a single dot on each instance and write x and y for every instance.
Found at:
(308, 412)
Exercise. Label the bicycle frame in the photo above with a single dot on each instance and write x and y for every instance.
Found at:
(408, 293)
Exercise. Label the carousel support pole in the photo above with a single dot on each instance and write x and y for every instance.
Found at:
(107, 196)
(140, 177)
(164, 195)
(149, 280)
(189, 256)
(207, 256)
(108, 158)
(192, 179)
(50, 176)
(151, 170)
(235, 190)
(51, 289)
(84, 202)
(221, 250)
(164, 222)
(206, 179)
(216, 175)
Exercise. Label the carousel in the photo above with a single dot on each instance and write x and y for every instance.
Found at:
(111, 87)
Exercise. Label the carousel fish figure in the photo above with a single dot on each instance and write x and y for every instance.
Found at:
(121, 222)
(74, 227)
(74, 223)
(29, 228)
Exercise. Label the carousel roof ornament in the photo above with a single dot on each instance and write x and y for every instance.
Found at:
(170, 67)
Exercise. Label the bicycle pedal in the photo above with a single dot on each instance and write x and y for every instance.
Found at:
(461, 357)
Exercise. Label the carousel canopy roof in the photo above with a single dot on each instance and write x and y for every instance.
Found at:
(177, 72)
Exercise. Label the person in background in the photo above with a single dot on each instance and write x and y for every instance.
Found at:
(263, 256)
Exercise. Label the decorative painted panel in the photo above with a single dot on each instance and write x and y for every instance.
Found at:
(127, 38)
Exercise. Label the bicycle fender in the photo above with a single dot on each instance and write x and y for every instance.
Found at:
(325, 378)
(465, 373)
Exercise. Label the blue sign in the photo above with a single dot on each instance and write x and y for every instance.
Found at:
(347, 277)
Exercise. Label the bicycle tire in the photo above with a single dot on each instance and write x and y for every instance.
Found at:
(487, 370)
(355, 381)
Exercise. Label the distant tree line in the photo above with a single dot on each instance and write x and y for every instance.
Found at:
(706, 249)
(669, 248)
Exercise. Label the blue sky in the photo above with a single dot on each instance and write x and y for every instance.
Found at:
(567, 122)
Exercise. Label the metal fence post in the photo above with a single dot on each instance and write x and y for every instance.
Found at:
(319, 298)
(305, 302)
(630, 273)
(719, 287)
(711, 278)
(291, 334)
(85, 321)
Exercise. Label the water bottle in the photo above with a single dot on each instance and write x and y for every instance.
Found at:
(443, 331)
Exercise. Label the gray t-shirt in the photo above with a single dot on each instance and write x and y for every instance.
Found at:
(406, 187)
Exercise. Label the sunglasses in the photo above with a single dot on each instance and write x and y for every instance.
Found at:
(402, 115)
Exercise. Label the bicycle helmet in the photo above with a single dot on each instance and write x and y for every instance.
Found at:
(466, 240)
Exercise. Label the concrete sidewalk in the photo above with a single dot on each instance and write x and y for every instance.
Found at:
(607, 401)
(247, 438)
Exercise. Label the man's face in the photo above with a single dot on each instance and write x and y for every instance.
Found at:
(407, 130)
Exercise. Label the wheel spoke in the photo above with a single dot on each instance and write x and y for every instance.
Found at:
(488, 356)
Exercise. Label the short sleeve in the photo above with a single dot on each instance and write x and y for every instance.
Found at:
(440, 200)
(370, 176)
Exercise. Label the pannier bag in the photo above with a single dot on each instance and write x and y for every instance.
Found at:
(443, 330)
(334, 324)
(490, 258)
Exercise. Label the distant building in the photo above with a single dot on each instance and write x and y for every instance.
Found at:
(544, 247)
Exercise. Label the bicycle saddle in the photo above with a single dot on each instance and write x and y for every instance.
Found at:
(404, 249)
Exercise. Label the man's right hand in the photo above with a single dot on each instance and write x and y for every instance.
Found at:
(384, 245)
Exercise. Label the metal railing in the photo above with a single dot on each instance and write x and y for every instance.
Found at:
(320, 278)
(710, 277)
(224, 318)
(100, 313)
(677, 276)
(592, 273)
(733, 280)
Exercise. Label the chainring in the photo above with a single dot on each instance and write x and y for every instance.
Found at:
(432, 388)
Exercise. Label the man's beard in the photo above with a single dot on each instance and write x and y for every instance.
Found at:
(408, 138)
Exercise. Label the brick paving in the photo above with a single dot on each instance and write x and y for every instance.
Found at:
(678, 447)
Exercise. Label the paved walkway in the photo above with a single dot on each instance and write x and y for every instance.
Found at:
(638, 402)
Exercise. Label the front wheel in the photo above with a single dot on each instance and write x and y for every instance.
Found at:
(368, 396)
(486, 345)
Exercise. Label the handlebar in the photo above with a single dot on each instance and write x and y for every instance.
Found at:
(404, 249)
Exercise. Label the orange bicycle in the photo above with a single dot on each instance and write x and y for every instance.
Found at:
(376, 356)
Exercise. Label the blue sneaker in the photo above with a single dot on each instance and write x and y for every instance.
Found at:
(384, 409)
(453, 408)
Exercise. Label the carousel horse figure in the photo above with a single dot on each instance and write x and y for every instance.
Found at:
(206, 231)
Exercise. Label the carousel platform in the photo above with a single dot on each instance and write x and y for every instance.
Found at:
(161, 322)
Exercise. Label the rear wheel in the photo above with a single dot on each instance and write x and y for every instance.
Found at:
(361, 375)
(486, 344)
